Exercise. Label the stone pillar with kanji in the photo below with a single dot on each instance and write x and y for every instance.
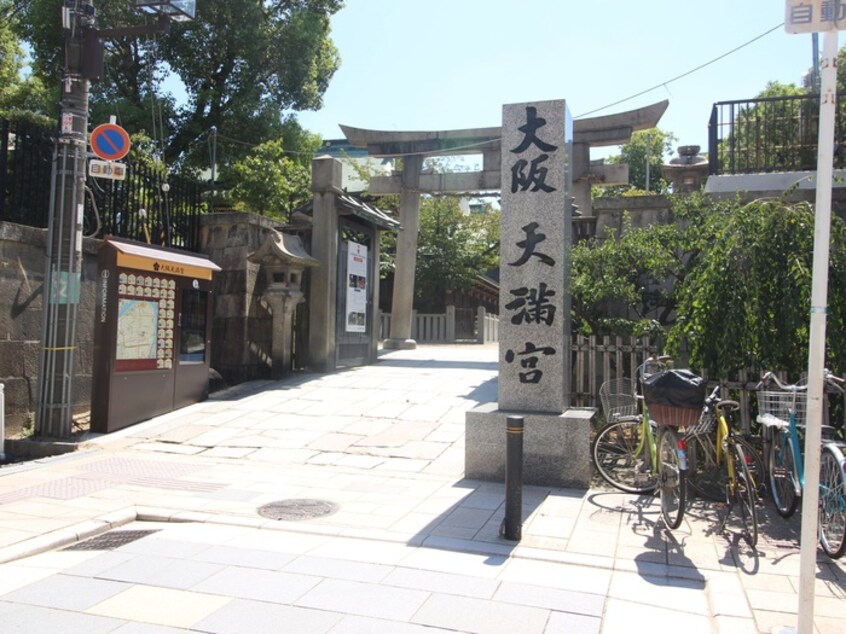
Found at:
(534, 307)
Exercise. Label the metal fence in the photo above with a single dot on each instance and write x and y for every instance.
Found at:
(145, 206)
(773, 134)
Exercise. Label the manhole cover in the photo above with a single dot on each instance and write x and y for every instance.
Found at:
(110, 540)
(295, 510)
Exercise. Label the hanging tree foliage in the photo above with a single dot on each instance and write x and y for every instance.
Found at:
(746, 302)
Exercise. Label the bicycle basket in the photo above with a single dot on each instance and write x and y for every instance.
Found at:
(777, 404)
(618, 399)
(674, 397)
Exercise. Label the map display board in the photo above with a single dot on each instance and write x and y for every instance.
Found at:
(145, 321)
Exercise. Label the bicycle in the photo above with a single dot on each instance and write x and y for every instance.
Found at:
(635, 453)
(724, 464)
(705, 465)
(782, 413)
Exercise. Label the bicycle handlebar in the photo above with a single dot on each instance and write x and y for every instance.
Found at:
(828, 377)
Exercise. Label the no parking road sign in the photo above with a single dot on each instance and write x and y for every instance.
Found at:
(110, 142)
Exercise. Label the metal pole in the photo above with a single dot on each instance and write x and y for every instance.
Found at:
(816, 349)
(63, 270)
(2, 423)
(512, 524)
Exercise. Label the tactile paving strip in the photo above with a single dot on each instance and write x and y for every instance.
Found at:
(104, 474)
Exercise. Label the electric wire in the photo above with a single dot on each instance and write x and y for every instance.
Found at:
(663, 84)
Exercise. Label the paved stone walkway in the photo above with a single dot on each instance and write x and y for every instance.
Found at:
(156, 528)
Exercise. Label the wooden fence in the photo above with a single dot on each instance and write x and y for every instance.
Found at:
(595, 360)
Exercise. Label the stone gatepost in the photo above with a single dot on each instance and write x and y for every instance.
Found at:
(534, 349)
(283, 259)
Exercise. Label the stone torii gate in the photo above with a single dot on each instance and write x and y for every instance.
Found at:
(413, 147)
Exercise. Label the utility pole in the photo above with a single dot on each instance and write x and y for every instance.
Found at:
(83, 63)
(63, 272)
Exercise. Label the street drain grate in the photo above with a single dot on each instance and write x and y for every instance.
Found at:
(110, 540)
(297, 509)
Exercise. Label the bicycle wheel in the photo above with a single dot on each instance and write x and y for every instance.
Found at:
(743, 496)
(756, 466)
(783, 474)
(832, 514)
(704, 475)
(614, 454)
(671, 477)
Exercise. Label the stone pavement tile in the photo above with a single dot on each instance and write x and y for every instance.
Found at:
(771, 621)
(661, 591)
(735, 625)
(568, 623)
(334, 441)
(160, 606)
(18, 575)
(557, 575)
(463, 517)
(363, 550)
(367, 625)
(364, 599)
(622, 615)
(479, 615)
(165, 572)
(338, 568)
(828, 625)
(447, 583)
(830, 607)
(241, 616)
(27, 619)
(65, 592)
(258, 585)
(246, 557)
(279, 456)
(425, 411)
(233, 453)
(540, 596)
(480, 565)
(168, 448)
(96, 564)
(147, 628)
(405, 465)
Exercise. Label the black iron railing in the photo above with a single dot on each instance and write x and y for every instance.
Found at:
(773, 134)
(145, 206)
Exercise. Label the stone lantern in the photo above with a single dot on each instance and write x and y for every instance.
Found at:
(687, 171)
(284, 260)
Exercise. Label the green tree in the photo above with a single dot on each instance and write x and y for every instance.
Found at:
(453, 248)
(241, 63)
(777, 132)
(645, 146)
(269, 182)
(18, 93)
(747, 300)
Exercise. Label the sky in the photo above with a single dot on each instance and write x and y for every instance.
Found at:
(451, 64)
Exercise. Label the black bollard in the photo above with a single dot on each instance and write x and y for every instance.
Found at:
(512, 524)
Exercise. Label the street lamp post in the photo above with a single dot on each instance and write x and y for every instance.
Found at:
(83, 45)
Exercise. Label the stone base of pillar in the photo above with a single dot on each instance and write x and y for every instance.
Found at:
(556, 447)
(399, 344)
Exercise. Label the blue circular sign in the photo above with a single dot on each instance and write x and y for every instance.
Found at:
(110, 142)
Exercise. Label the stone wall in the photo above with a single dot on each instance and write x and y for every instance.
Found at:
(22, 262)
(241, 327)
(644, 211)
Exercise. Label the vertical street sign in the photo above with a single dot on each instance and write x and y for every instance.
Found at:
(809, 16)
(814, 16)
